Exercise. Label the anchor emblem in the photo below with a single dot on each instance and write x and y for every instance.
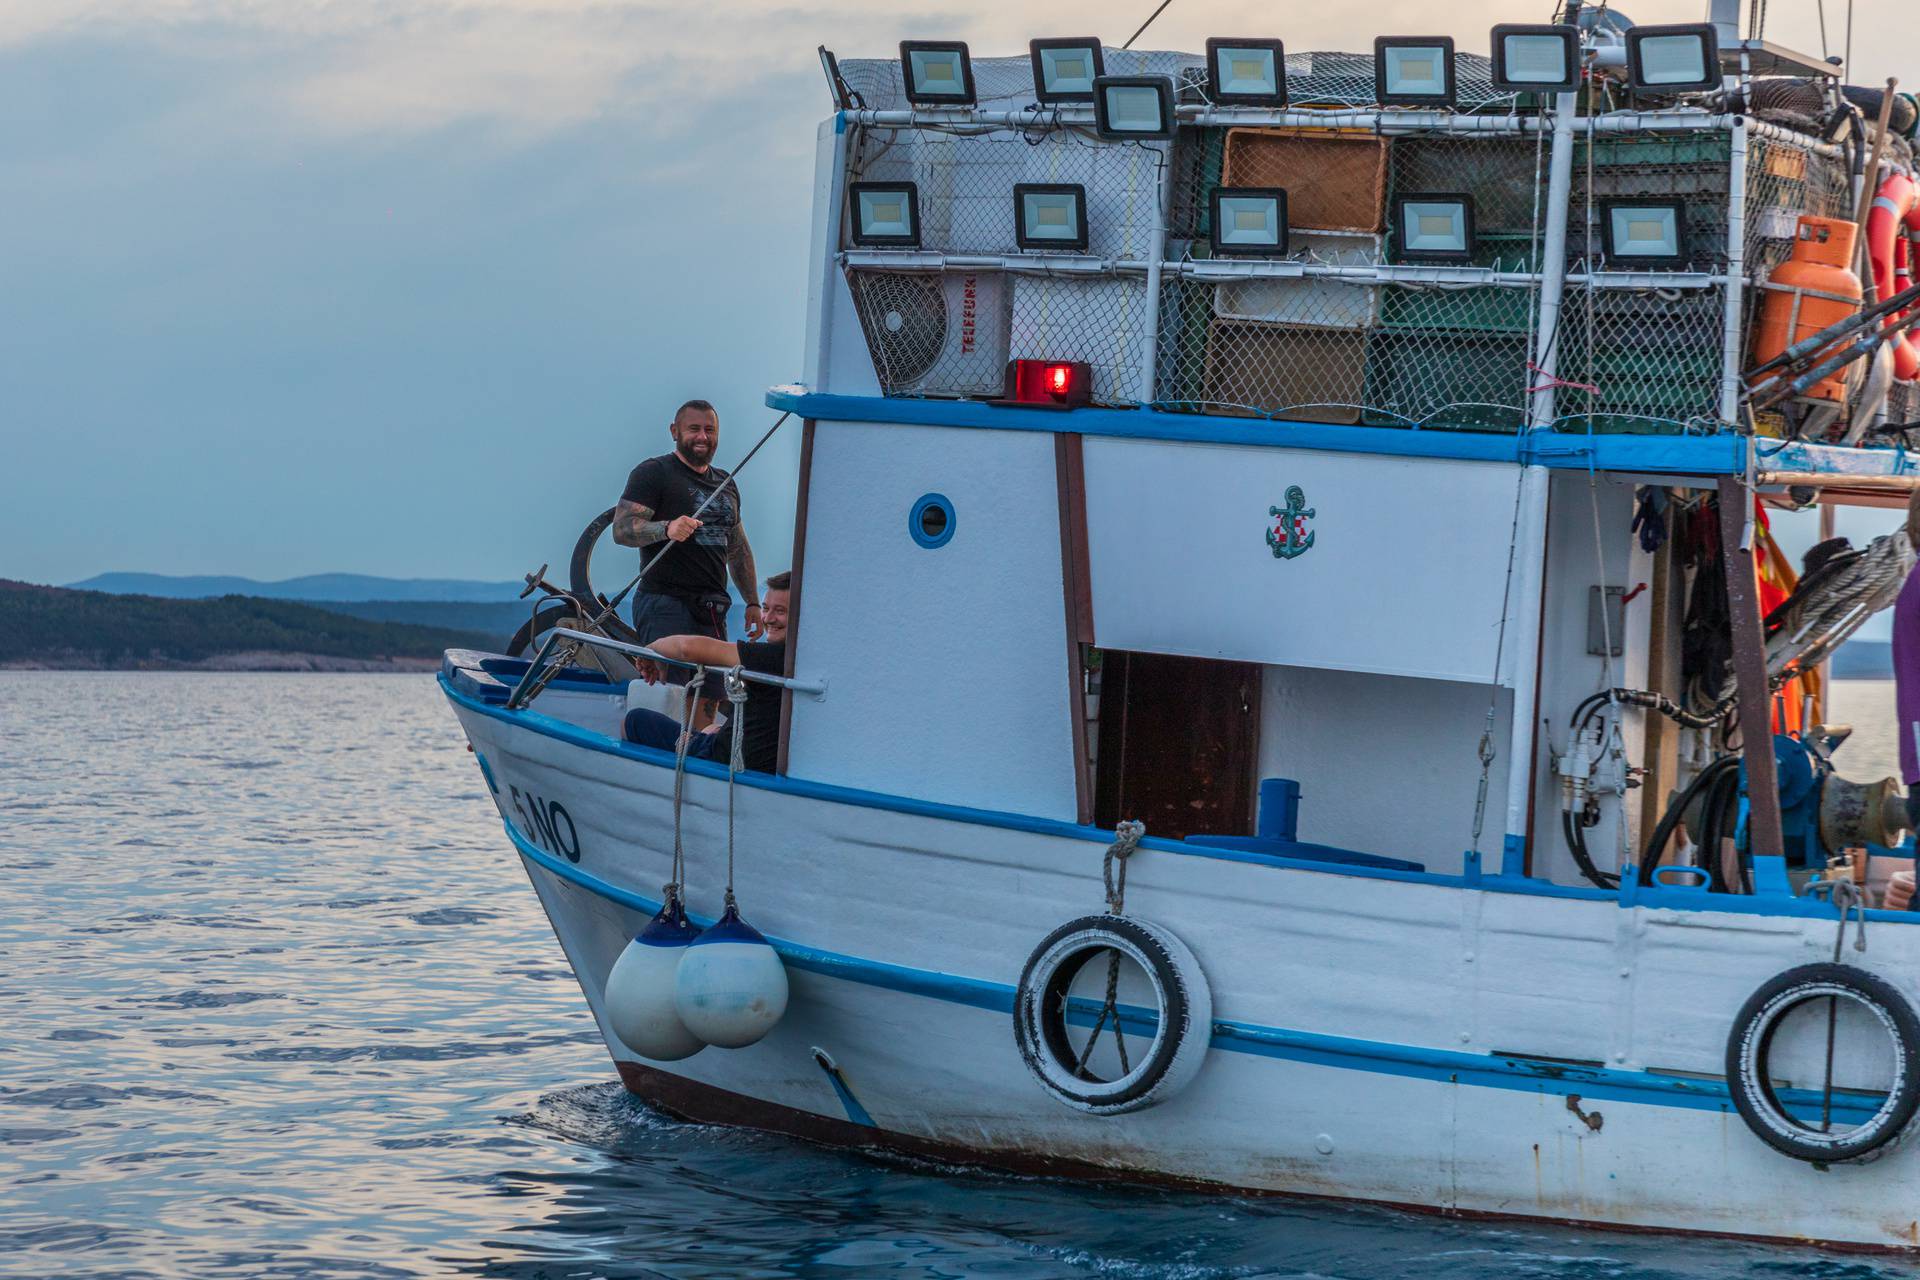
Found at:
(1290, 536)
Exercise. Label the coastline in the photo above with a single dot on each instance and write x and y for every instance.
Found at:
(242, 661)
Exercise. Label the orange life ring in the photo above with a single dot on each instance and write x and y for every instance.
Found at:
(1895, 206)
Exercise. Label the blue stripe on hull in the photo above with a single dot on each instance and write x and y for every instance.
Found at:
(1490, 1071)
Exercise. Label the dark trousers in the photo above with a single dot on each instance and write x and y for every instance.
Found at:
(651, 729)
(657, 615)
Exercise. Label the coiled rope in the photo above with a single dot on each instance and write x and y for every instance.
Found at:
(736, 757)
(678, 875)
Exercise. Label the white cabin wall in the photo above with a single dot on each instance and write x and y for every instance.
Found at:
(1387, 765)
(948, 666)
(1568, 673)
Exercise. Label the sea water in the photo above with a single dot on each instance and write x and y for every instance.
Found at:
(276, 1001)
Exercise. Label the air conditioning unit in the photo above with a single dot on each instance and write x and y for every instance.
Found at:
(933, 334)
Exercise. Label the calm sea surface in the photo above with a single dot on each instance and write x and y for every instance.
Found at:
(276, 1001)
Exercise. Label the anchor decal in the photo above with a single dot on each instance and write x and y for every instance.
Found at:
(1290, 536)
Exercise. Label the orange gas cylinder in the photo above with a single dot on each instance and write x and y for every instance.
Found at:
(1809, 291)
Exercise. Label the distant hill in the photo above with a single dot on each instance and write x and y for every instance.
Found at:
(93, 630)
(330, 587)
(497, 622)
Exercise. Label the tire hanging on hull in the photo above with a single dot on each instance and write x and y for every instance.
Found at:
(1180, 1037)
(1751, 1082)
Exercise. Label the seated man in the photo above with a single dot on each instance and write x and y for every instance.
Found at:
(759, 717)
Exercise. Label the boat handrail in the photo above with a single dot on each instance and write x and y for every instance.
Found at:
(530, 687)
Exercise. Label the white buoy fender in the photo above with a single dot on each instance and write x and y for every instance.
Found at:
(732, 987)
(1182, 1016)
(640, 989)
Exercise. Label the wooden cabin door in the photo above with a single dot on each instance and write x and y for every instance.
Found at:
(1178, 744)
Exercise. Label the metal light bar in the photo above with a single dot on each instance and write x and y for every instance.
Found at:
(816, 687)
(1369, 118)
(1214, 269)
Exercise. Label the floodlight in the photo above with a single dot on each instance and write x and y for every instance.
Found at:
(1650, 232)
(1133, 107)
(938, 73)
(1536, 59)
(1050, 216)
(1676, 59)
(1436, 228)
(1065, 68)
(1247, 73)
(1249, 220)
(886, 214)
(1413, 71)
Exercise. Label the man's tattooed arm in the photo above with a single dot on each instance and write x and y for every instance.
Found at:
(634, 525)
(740, 565)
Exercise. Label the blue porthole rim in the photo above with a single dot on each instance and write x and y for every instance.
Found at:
(920, 507)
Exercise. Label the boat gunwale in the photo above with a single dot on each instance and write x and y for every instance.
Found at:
(1631, 893)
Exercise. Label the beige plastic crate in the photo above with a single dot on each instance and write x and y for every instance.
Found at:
(1309, 300)
(1334, 181)
(1262, 366)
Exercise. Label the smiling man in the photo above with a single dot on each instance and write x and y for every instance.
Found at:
(688, 559)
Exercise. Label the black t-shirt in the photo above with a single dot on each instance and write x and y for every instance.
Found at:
(760, 718)
(670, 488)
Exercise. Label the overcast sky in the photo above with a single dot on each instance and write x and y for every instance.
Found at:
(406, 286)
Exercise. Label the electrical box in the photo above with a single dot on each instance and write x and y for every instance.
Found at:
(1606, 620)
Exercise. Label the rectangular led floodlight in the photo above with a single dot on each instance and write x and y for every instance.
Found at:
(1536, 59)
(1677, 59)
(1246, 73)
(1133, 107)
(1064, 68)
(1249, 220)
(1413, 71)
(1437, 228)
(1647, 233)
(886, 214)
(938, 73)
(1050, 216)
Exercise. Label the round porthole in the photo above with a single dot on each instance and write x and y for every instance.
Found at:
(931, 521)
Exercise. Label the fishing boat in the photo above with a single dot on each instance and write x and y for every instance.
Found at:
(1291, 687)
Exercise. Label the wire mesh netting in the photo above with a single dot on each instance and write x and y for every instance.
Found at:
(965, 183)
(1345, 325)
(1785, 181)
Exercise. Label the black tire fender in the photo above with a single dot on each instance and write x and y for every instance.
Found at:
(1749, 1053)
(580, 578)
(1185, 1013)
(545, 618)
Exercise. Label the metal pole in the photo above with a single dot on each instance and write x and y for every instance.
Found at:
(1530, 530)
(1731, 355)
(1156, 264)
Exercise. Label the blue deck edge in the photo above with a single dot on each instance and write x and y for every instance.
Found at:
(1720, 454)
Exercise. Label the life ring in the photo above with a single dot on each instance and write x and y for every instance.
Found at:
(1896, 208)
(1749, 1062)
(1184, 1014)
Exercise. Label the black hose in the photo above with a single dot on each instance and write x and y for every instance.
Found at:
(1670, 820)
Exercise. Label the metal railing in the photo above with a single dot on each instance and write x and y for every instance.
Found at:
(530, 684)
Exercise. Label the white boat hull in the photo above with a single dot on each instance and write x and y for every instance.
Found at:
(1488, 1050)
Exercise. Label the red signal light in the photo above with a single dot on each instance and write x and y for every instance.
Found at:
(1048, 384)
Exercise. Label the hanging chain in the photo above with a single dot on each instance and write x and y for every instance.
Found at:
(678, 876)
(736, 756)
